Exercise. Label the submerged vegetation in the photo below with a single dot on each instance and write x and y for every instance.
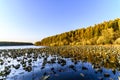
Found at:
(107, 32)
(55, 61)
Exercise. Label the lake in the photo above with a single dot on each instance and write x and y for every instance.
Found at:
(60, 63)
(19, 47)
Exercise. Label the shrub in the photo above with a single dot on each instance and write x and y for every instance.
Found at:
(117, 41)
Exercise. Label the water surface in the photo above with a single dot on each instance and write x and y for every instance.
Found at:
(59, 63)
(19, 47)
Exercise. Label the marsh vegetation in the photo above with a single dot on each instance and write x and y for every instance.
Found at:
(58, 63)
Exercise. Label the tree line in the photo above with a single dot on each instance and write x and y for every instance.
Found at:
(14, 43)
(107, 32)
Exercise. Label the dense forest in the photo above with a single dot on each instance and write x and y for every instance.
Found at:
(14, 43)
(104, 33)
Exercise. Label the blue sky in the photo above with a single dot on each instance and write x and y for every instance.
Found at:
(32, 20)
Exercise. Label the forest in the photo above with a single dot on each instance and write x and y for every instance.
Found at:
(105, 33)
(14, 43)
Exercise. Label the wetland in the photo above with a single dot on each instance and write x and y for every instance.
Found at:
(61, 63)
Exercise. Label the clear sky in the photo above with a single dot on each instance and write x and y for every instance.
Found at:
(32, 20)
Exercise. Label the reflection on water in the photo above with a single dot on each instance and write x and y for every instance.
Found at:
(58, 63)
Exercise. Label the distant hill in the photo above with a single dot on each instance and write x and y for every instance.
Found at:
(14, 43)
(107, 32)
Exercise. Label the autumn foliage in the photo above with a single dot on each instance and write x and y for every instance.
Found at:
(107, 32)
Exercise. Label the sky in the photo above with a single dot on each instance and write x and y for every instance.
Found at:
(33, 20)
